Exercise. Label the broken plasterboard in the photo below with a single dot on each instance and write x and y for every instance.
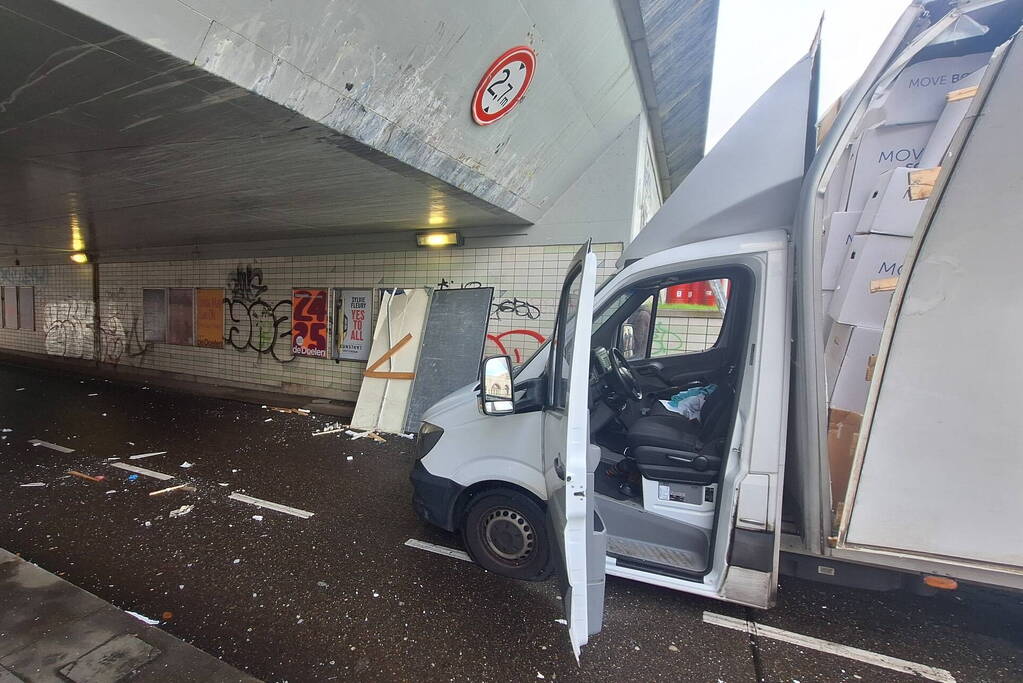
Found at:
(384, 396)
(451, 349)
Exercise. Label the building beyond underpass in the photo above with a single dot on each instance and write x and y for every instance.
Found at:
(172, 173)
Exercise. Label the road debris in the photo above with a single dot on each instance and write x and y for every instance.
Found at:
(333, 428)
(296, 411)
(141, 470)
(51, 446)
(35, 483)
(82, 475)
(5, 430)
(145, 455)
(181, 511)
(270, 505)
(258, 518)
(179, 487)
(349, 458)
(370, 434)
(167, 616)
(93, 394)
(186, 464)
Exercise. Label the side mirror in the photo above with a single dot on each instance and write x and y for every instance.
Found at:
(497, 392)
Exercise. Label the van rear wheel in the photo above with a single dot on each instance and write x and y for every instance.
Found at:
(505, 532)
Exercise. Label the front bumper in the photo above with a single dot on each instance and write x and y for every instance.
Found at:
(434, 498)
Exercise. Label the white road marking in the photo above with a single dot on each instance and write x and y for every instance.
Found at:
(145, 455)
(53, 446)
(809, 642)
(271, 505)
(141, 470)
(439, 549)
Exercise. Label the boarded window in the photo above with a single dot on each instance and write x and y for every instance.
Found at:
(10, 295)
(26, 308)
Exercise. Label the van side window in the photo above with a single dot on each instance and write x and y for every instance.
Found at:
(679, 319)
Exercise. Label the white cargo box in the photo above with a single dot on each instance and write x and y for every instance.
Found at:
(918, 94)
(890, 209)
(847, 364)
(841, 228)
(870, 257)
(957, 103)
(881, 149)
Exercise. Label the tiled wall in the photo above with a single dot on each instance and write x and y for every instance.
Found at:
(526, 279)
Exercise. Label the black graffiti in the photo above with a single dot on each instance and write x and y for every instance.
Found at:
(115, 343)
(517, 307)
(444, 284)
(246, 283)
(259, 326)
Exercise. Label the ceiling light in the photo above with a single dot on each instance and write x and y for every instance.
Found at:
(80, 257)
(438, 239)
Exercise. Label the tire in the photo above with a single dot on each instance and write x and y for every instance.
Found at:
(505, 532)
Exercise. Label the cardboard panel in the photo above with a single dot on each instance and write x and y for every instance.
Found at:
(181, 316)
(846, 361)
(881, 149)
(870, 257)
(154, 315)
(918, 94)
(841, 228)
(209, 318)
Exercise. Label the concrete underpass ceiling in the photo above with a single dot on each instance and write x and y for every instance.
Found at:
(138, 154)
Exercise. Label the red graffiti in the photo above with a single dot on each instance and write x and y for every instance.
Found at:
(496, 338)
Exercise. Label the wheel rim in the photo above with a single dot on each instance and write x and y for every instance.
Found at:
(507, 535)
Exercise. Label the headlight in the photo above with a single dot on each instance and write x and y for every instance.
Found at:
(429, 435)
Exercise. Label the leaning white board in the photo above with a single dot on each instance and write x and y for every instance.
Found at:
(943, 469)
(383, 403)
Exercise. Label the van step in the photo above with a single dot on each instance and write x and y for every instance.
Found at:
(657, 554)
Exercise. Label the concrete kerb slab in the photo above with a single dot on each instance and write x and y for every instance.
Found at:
(51, 628)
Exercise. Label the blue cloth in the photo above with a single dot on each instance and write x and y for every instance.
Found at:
(689, 393)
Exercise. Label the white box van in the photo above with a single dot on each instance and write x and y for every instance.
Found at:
(578, 466)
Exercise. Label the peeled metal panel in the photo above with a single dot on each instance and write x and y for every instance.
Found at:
(943, 458)
(154, 315)
(180, 316)
(383, 401)
(10, 296)
(452, 347)
(26, 308)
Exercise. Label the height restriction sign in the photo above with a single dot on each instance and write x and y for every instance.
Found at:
(503, 85)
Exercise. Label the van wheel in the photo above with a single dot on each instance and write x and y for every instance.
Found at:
(505, 532)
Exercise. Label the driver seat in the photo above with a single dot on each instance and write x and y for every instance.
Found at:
(674, 448)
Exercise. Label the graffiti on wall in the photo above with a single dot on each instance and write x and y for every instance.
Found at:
(24, 276)
(120, 341)
(512, 343)
(68, 326)
(516, 307)
(256, 324)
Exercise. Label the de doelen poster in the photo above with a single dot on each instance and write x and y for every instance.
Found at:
(309, 322)
(352, 324)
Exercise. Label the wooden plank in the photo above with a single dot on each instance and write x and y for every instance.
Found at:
(885, 284)
(961, 94)
(372, 371)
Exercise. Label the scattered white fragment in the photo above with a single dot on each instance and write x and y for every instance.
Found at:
(269, 419)
(539, 675)
(35, 483)
(270, 505)
(349, 458)
(407, 436)
(220, 483)
(439, 549)
(51, 446)
(149, 524)
(258, 518)
(111, 491)
(6, 429)
(112, 459)
(321, 584)
(561, 621)
(141, 470)
(181, 511)
(151, 622)
(236, 561)
(672, 648)
(144, 455)
(20, 389)
(181, 586)
(186, 465)
(93, 394)
(104, 414)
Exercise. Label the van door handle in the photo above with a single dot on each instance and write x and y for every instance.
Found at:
(559, 468)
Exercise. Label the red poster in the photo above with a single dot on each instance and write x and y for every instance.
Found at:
(309, 322)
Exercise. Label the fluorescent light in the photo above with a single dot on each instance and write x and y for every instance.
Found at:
(438, 239)
(80, 257)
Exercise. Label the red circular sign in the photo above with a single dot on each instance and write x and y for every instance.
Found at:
(503, 85)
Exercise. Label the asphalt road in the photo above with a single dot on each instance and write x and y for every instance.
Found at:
(339, 595)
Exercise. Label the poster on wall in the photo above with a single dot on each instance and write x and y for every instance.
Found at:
(26, 308)
(154, 315)
(352, 324)
(10, 295)
(180, 316)
(309, 322)
(209, 318)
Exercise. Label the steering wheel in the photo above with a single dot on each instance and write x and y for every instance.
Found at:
(621, 378)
